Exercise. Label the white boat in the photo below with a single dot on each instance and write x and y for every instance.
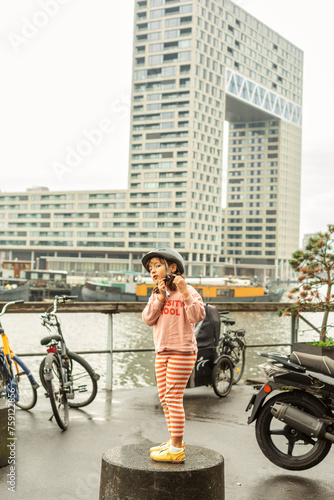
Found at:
(120, 287)
(19, 292)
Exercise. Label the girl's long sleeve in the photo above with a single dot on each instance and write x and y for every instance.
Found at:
(152, 311)
(194, 306)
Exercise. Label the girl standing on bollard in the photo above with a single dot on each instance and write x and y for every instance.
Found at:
(173, 310)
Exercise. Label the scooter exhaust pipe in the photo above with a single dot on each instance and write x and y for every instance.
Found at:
(303, 422)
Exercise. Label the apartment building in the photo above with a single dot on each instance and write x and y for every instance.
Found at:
(197, 65)
(85, 231)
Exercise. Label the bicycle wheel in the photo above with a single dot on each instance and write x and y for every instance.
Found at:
(41, 374)
(57, 394)
(84, 381)
(25, 387)
(238, 357)
(222, 376)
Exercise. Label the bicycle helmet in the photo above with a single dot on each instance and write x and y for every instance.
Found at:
(167, 254)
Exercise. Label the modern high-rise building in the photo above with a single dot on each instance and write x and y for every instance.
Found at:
(209, 81)
(198, 64)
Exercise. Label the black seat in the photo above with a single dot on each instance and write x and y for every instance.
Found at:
(320, 364)
(229, 322)
(47, 340)
(209, 329)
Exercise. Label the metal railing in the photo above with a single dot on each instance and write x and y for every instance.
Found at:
(111, 308)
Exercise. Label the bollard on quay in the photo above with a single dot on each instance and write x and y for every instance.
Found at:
(128, 473)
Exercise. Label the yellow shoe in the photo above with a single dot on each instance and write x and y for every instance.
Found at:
(167, 456)
(164, 446)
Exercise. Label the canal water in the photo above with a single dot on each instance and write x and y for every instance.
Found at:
(88, 331)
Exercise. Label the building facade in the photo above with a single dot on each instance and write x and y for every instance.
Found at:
(197, 65)
(79, 232)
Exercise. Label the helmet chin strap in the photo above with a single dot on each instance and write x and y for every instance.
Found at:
(167, 274)
(167, 277)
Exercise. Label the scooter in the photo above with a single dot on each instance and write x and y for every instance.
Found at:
(295, 427)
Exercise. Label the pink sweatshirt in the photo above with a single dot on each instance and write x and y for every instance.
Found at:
(174, 321)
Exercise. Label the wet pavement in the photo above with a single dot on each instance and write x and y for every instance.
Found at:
(56, 465)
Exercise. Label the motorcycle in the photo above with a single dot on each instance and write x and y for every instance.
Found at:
(295, 427)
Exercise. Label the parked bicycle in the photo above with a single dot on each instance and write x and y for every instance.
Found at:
(213, 367)
(16, 381)
(68, 378)
(233, 344)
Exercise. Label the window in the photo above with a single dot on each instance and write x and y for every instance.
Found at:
(156, 13)
(152, 60)
(156, 47)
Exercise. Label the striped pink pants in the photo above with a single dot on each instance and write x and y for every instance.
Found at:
(173, 370)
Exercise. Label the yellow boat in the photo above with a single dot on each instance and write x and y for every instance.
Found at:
(218, 290)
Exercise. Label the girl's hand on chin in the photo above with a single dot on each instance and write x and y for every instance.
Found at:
(162, 290)
(181, 284)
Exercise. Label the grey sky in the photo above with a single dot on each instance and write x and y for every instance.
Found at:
(66, 67)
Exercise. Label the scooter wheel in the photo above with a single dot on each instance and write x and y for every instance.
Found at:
(282, 444)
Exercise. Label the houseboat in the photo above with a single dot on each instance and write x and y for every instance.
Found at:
(120, 287)
(129, 286)
(20, 281)
(229, 289)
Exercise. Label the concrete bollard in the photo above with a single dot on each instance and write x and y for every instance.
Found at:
(128, 473)
(4, 450)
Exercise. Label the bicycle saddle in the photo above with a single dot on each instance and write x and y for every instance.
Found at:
(47, 340)
(229, 322)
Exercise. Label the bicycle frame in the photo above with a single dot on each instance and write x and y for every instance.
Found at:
(64, 374)
(11, 376)
(6, 356)
(61, 354)
(7, 352)
(11, 386)
(50, 319)
(232, 343)
(230, 334)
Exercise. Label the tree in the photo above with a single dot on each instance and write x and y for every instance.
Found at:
(315, 266)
